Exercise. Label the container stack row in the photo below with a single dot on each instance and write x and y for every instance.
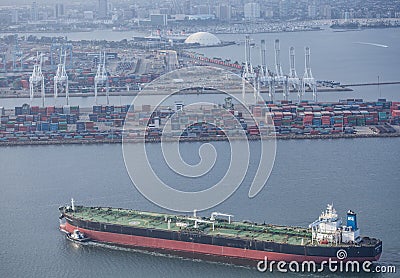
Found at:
(111, 115)
(326, 118)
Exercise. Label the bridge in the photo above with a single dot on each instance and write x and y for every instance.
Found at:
(371, 84)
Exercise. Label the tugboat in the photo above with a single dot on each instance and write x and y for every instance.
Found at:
(77, 236)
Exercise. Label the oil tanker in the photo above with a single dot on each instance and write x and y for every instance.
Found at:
(219, 238)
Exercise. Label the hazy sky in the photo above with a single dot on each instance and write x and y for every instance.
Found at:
(29, 2)
(21, 2)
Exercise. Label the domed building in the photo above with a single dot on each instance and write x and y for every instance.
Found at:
(203, 39)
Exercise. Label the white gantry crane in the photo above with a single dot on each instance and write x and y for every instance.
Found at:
(101, 77)
(265, 78)
(17, 56)
(36, 80)
(308, 79)
(61, 78)
(294, 82)
(248, 71)
(280, 79)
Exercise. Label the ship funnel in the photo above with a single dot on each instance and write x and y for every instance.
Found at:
(352, 220)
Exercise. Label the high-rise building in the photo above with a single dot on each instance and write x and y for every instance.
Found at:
(224, 12)
(188, 7)
(326, 11)
(284, 6)
(346, 16)
(14, 16)
(59, 10)
(252, 11)
(34, 12)
(103, 9)
(312, 11)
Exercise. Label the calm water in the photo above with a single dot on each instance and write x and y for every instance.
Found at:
(359, 174)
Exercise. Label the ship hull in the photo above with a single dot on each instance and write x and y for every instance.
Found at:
(243, 256)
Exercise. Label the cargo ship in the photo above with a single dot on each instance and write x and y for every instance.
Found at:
(219, 238)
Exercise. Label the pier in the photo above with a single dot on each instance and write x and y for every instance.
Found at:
(206, 139)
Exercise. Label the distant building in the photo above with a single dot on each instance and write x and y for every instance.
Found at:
(252, 11)
(130, 13)
(346, 16)
(59, 10)
(312, 11)
(284, 7)
(224, 12)
(103, 9)
(203, 39)
(166, 11)
(269, 13)
(88, 15)
(34, 12)
(201, 17)
(158, 19)
(188, 7)
(203, 9)
(326, 11)
(5, 17)
(14, 17)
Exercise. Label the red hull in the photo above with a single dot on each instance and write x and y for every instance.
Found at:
(198, 250)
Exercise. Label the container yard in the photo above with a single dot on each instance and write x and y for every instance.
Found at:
(103, 124)
(125, 71)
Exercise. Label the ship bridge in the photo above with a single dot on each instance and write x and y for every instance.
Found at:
(328, 228)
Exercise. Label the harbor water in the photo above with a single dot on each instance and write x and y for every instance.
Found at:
(357, 174)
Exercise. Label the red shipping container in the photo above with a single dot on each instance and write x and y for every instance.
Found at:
(396, 113)
(50, 110)
(25, 84)
(89, 125)
(35, 108)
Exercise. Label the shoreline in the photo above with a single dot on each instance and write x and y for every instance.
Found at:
(302, 25)
(205, 139)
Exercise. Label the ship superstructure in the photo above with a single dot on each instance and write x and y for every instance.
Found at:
(328, 228)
